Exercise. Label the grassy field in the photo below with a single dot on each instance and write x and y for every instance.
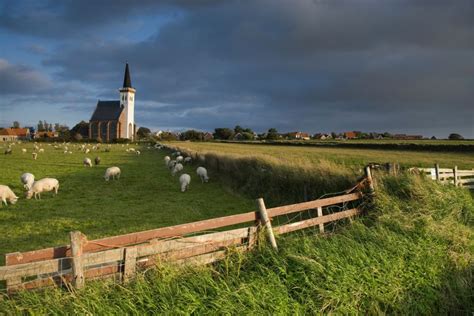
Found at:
(412, 254)
(145, 197)
(354, 158)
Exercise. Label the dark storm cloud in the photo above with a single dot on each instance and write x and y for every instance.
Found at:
(296, 65)
(21, 79)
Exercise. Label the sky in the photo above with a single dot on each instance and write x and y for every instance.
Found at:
(296, 65)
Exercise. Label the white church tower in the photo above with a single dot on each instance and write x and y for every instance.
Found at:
(127, 102)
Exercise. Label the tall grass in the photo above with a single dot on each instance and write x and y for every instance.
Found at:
(411, 254)
(277, 180)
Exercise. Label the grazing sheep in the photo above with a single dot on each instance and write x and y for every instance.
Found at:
(112, 172)
(188, 160)
(202, 173)
(36, 147)
(7, 195)
(65, 152)
(184, 180)
(35, 155)
(179, 158)
(138, 152)
(87, 151)
(167, 160)
(43, 185)
(87, 162)
(97, 160)
(8, 151)
(171, 164)
(27, 179)
(41, 150)
(23, 150)
(177, 168)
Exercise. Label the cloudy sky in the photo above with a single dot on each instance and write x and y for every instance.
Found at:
(311, 65)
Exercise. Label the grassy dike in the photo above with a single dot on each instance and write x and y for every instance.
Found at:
(411, 254)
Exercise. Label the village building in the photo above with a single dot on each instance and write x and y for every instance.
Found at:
(350, 135)
(46, 134)
(14, 134)
(112, 120)
(299, 135)
(322, 136)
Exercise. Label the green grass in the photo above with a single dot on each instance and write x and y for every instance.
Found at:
(413, 253)
(145, 197)
(353, 158)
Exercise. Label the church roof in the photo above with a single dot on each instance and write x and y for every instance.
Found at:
(107, 111)
(127, 82)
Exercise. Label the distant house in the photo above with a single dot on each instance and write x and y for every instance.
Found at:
(322, 136)
(238, 136)
(207, 136)
(299, 135)
(6, 135)
(350, 135)
(46, 135)
(13, 134)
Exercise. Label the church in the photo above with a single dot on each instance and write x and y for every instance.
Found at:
(112, 120)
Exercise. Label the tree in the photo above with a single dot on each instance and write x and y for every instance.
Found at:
(433, 137)
(223, 133)
(192, 135)
(238, 129)
(143, 132)
(40, 126)
(272, 134)
(16, 124)
(455, 136)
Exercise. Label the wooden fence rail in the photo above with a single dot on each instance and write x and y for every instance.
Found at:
(119, 257)
(464, 178)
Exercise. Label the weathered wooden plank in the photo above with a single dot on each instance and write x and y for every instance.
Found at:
(287, 209)
(207, 258)
(265, 222)
(76, 250)
(34, 268)
(133, 238)
(316, 221)
(320, 214)
(130, 263)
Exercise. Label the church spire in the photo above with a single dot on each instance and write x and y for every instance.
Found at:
(127, 83)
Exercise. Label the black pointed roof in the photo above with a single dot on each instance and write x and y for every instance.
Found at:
(107, 111)
(127, 83)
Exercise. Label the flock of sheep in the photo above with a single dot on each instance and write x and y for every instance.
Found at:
(35, 188)
(176, 166)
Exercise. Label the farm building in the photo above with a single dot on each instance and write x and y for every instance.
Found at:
(115, 119)
(299, 135)
(13, 134)
(46, 135)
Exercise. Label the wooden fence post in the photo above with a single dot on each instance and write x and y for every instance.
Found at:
(368, 175)
(320, 213)
(455, 173)
(437, 171)
(130, 263)
(262, 210)
(76, 262)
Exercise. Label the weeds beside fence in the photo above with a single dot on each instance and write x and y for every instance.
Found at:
(462, 178)
(119, 257)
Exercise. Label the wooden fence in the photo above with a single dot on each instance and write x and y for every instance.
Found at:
(464, 178)
(119, 257)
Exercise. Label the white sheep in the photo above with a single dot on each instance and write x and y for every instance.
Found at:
(177, 168)
(137, 152)
(188, 160)
(41, 150)
(87, 162)
(112, 172)
(7, 195)
(87, 151)
(171, 164)
(27, 179)
(202, 173)
(43, 185)
(184, 180)
(131, 149)
(179, 158)
(23, 150)
(35, 155)
(167, 160)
